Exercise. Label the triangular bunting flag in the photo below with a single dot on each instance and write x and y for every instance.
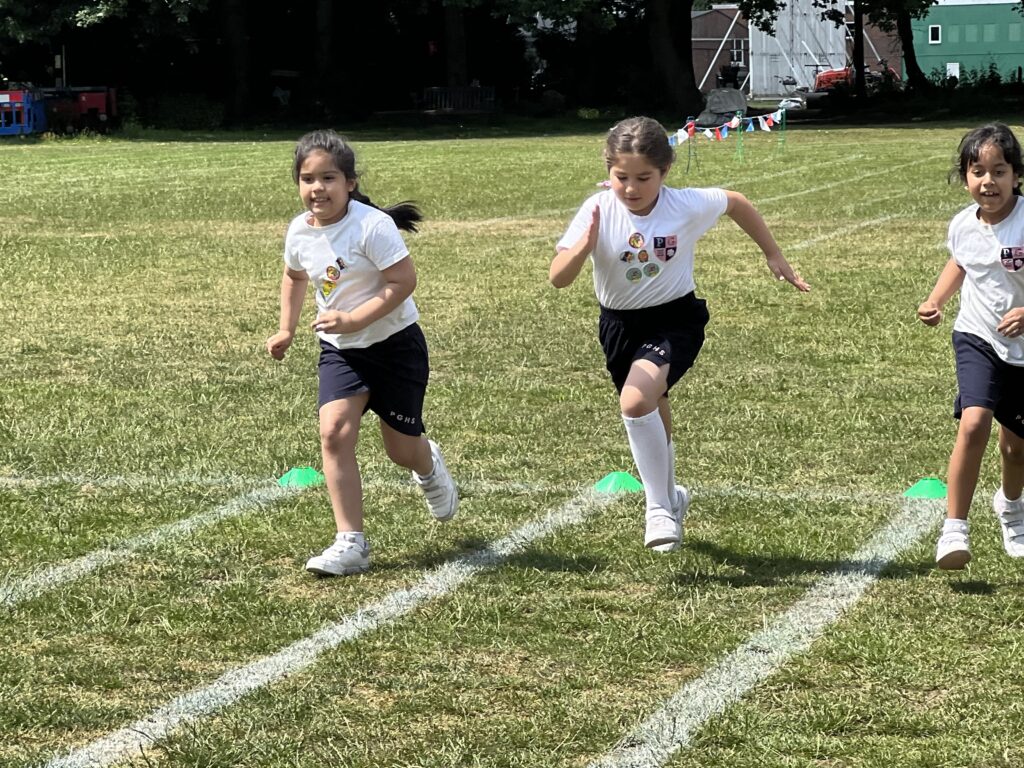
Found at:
(709, 134)
(764, 125)
(718, 134)
(750, 125)
(725, 131)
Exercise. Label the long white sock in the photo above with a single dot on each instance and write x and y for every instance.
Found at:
(671, 471)
(650, 452)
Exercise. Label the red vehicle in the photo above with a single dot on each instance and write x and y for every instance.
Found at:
(845, 78)
(81, 107)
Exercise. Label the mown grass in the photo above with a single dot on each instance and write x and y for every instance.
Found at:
(139, 282)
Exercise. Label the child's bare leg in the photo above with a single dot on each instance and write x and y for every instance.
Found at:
(424, 458)
(965, 462)
(1011, 449)
(409, 451)
(339, 433)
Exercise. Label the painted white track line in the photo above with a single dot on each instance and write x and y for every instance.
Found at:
(130, 741)
(14, 591)
(672, 726)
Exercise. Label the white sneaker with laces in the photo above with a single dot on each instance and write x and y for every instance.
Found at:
(346, 556)
(439, 488)
(953, 551)
(679, 507)
(1011, 519)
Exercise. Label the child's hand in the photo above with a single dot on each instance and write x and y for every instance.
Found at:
(588, 242)
(335, 321)
(278, 344)
(1012, 324)
(929, 313)
(783, 271)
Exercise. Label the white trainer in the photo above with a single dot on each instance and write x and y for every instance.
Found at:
(1011, 519)
(662, 529)
(679, 507)
(346, 556)
(439, 488)
(953, 551)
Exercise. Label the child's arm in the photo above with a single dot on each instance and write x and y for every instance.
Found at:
(742, 211)
(568, 262)
(399, 283)
(293, 291)
(949, 282)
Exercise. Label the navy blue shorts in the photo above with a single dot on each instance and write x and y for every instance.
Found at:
(393, 371)
(669, 334)
(987, 381)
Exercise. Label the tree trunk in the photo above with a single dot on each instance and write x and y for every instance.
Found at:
(326, 94)
(674, 66)
(236, 39)
(455, 46)
(860, 87)
(916, 80)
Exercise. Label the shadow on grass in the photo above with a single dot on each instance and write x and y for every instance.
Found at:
(973, 587)
(474, 551)
(767, 571)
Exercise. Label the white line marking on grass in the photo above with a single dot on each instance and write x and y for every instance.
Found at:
(671, 727)
(129, 481)
(14, 591)
(846, 181)
(131, 740)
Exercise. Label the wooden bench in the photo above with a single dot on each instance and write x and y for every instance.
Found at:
(459, 100)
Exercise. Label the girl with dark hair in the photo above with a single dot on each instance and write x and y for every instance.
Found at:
(372, 352)
(640, 236)
(986, 264)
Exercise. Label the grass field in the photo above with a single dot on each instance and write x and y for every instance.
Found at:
(155, 608)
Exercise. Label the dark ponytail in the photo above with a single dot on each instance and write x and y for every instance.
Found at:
(405, 214)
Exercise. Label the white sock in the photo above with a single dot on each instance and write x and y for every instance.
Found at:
(954, 524)
(650, 452)
(354, 536)
(672, 471)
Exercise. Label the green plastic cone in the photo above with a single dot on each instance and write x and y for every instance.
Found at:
(618, 482)
(926, 488)
(301, 477)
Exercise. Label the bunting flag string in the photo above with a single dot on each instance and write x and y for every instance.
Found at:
(736, 123)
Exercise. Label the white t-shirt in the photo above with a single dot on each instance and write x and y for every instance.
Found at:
(644, 261)
(344, 262)
(993, 258)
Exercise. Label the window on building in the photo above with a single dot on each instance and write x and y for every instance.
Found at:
(934, 34)
(1015, 33)
(988, 33)
(953, 69)
(971, 33)
(952, 33)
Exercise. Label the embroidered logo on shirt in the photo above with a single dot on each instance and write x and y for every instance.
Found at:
(1013, 258)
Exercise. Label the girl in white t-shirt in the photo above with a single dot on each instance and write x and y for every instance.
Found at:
(640, 236)
(372, 352)
(986, 264)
